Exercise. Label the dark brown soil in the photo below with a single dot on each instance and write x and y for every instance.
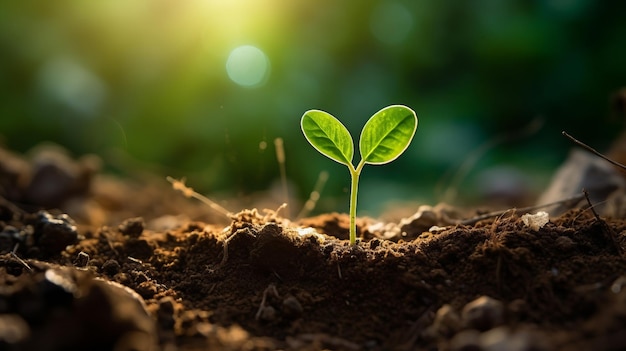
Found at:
(155, 281)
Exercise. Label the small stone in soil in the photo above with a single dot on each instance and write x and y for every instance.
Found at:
(483, 313)
(503, 339)
(81, 259)
(13, 329)
(54, 233)
(292, 307)
(268, 314)
(447, 321)
(466, 340)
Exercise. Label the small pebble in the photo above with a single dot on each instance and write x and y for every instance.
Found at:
(13, 329)
(268, 314)
(292, 307)
(466, 340)
(81, 260)
(447, 321)
(483, 313)
(54, 233)
(503, 339)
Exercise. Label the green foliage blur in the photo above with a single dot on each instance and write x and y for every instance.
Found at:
(201, 88)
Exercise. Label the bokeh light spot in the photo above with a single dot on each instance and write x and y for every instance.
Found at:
(391, 22)
(248, 66)
(73, 85)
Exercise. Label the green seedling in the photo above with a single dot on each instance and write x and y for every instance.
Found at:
(384, 137)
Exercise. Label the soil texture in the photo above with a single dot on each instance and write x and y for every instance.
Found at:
(93, 263)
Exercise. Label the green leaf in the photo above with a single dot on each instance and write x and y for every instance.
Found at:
(387, 134)
(328, 136)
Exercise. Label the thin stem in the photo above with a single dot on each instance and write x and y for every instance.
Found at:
(592, 150)
(353, 197)
(354, 188)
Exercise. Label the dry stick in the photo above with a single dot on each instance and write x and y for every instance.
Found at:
(605, 226)
(21, 261)
(582, 210)
(211, 289)
(227, 240)
(592, 150)
(280, 156)
(609, 230)
(523, 209)
(272, 215)
(270, 289)
(309, 205)
(189, 192)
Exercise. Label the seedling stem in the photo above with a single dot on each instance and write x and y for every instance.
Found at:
(384, 137)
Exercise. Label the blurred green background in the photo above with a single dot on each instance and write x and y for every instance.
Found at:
(201, 88)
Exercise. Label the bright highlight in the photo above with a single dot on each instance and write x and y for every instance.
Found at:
(248, 66)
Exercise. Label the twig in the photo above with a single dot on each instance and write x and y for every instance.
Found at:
(605, 226)
(270, 289)
(21, 261)
(272, 215)
(522, 209)
(310, 204)
(227, 240)
(189, 192)
(280, 157)
(592, 150)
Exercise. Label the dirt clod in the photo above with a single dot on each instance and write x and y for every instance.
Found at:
(132, 227)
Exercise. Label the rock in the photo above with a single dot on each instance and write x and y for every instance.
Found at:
(66, 309)
(503, 339)
(447, 322)
(582, 170)
(483, 313)
(292, 307)
(82, 259)
(466, 340)
(53, 233)
(268, 314)
(56, 177)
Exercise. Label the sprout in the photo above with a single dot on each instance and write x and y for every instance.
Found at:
(384, 137)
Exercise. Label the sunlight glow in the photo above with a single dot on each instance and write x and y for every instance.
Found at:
(248, 66)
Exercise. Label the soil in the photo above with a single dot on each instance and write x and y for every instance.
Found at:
(92, 262)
